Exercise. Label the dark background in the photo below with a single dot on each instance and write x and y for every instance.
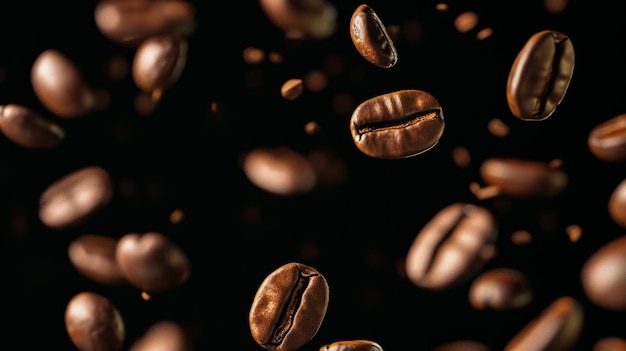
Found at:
(356, 232)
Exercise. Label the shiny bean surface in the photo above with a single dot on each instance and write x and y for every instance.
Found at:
(93, 323)
(617, 204)
(607, 140)
(93, 256)
(352, 345)
(603, 275)
(28, 128)
(500, 289)
(370, 38)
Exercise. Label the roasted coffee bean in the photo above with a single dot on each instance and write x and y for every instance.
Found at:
(292, 89)
(152, 262)
(610, 343)
(93, 256)
(93, 323)
(607, 140)
(28, 128)
(158, 63)
(523, 178)
(462, 345)
(76, 197)
(540, 75)
(500, 289)
(397, 125)
(302, 19)
(451, 247)
(617, 204)
(603, 275)
(60, 86)
(352, 345)
(165, 335)
(289, 307)
(557, 328)
(129, 22)
(370, 38)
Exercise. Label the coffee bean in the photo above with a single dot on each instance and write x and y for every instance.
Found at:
(397, 125)
(76, 197)
(302, 19)
(28, 128)
(352, 345)
(610, 343)
(93, 256)
(607, 140)
(451, 247)
(370, 38)
(540, 75)
(292, 88)
(462, 345)
(617, 204)
(500, 289)
(603, 275)
(93, 323)
(289, 307)
(166, 335)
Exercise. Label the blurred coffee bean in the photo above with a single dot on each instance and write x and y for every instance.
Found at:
(452, 246)
(74, 198)
(165, 335)
(540, 75)
(370, 38)
(603, 275)
(500, 289)
(289, 307)
(523, 178)
(93, 323)
(28, 128)
(93, 256)
(61, 87)
(610, 343)
(152, 262)
(557, 328)
(617, 204)
(607, 140)
(302, 19)
(352, 345)
(462, 345)
(292, 88)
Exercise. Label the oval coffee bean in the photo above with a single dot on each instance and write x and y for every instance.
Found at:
(165, 335)
(452, 246)
(557, 328)
(603, 275)
(540, 75)
(617, 204)
(397, 125)
(74, 198)
(610, 343)
(302, 19)
(370, 38)
(523, 178)
(352, 345)
(462, 345)
(60, 86)
(500, 289)
(94, 257)
(289, 307)
(151, 262)
(93, 323)
(607, 140)
(28, 128)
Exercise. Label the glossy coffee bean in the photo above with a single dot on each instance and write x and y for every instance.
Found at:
(130, 22)
(540, 75)
(93, 256)
(500, 289)
(523, 178)
(557, 328)
(352, 345)
(462, 345)
(451, 247)
(603, 275)
(28, 128)
(60, 86)
(289, 307)
(397, 125)
(607, 140)
(152, 262)
(76, 197)
(165, 335)
(617, 204)
(370, 38)
(93, 323)
(302, 19)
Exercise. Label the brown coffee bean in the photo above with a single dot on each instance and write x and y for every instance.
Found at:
(152, 262)
(129, 22)
(292, 89)
(523, 178)
(397, 125)
(603, 275)
(462, 345)
(60, 86)
(370, 38)
(302, 19)
(540, 75)
(289, 307)
(93, 323)
(451, 247)
(557, 328)
(352, 345)
(93, 256)
(165, 335)
(607, 140)
(28, 128)
(617, 204)
(610, 343)
(158, 63)
(500, 289)
(76, 197)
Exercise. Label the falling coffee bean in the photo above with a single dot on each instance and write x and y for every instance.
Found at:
(93, 323)
(370, 38)
(28, 128)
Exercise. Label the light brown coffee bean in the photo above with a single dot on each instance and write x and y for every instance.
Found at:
(292, 88)
(397, 125)
(617, 204)
(607, 140)
(370, 38)
(303, 19)
(352, 345)
(557, 328)
(165, 335)
(610, 343)
(93, 323)
(451, 247)
(500, 289)
(93, 256)
(28, 128)
(462, 345)
(289, 307)
(603, 275)
(540, 75)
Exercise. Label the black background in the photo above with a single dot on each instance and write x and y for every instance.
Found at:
(187, 157)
